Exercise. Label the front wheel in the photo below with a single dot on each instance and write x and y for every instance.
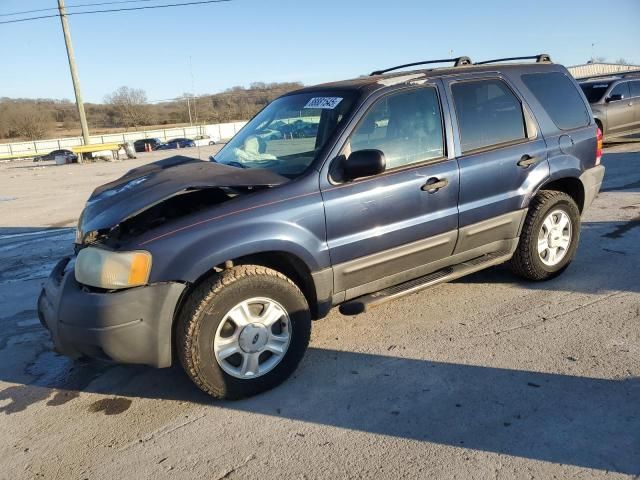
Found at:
(549, 237)
(243, 331)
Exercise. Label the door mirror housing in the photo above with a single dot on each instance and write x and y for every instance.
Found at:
(614, 98)
(364, 163)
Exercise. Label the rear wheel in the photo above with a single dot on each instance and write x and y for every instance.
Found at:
(549, 237)
(243, 331)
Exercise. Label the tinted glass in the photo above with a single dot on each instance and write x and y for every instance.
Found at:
(406, 127)
(559, 97)
(621, 89)
(635, 88)
(488, 114)
(594, 91)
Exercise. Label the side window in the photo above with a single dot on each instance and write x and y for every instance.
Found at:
(488, 114)
(559, 97)
(635, 88)
(406, 127)
(621, 89)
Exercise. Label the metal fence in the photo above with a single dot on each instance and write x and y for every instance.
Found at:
(217, 132)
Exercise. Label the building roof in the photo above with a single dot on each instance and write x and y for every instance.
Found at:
(592, 69)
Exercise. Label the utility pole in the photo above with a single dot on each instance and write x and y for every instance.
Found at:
(189, 108)
(74, 73)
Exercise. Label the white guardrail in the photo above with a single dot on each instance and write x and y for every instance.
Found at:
(217, 132)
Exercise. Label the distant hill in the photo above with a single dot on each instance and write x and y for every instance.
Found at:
(128, 109)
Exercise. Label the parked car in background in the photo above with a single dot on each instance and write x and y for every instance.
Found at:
(176, 143)
(69, 156)
(615, 102)
(411, 179)
(141, 145)
(203, 140)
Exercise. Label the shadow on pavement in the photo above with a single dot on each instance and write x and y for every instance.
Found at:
(606, 250)
(586, 422)
(622, 172)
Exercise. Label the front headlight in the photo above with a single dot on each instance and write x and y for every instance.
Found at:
(112, 270)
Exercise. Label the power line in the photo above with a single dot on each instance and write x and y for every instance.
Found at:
(73, 6)
(146, 7)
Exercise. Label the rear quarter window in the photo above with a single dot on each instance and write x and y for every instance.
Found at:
(559, 97)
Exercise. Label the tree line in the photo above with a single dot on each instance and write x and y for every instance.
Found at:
(129, 109)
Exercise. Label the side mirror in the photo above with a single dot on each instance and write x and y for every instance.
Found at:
(614, 98)
(364, 163)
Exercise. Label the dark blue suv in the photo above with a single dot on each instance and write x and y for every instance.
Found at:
(394, 182)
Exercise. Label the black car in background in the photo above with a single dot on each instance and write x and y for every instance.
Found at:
(177, 143)
(139, 145)
(70, 157)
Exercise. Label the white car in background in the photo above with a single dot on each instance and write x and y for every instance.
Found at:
(203, 140)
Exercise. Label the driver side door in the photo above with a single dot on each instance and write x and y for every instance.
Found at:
(382, 230)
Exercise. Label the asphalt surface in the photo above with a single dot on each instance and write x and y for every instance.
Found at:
(485, 377)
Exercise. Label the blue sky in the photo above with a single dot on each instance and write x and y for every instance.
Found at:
(243, 41)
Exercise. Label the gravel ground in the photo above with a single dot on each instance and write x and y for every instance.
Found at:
(485, 377)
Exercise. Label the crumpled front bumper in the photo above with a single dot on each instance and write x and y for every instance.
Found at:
(127, 326)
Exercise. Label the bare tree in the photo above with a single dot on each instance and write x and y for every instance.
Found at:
(622, 61)
(28, 121)
(130, 105)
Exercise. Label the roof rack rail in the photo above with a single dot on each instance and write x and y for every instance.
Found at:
(540, 58)
(457, 62)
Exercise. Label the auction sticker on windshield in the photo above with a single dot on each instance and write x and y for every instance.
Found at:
(328, 103)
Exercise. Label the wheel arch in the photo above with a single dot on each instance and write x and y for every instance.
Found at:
(316, 286)
(570, 185)
(599, 123)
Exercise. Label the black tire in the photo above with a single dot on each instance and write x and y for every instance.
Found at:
(526, 261)
(206, 307)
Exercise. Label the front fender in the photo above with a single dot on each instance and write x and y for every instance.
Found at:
(297, 229)
(194, 259)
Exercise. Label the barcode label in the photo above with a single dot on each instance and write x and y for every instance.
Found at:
(328, 103)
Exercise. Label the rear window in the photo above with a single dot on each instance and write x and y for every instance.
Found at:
(594, 91)
(488, 114)
(559, 97)
(635, 88)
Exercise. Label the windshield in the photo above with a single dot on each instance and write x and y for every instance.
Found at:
(594, 91)
(288, 135)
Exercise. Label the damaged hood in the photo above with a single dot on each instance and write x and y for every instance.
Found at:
(146, 186)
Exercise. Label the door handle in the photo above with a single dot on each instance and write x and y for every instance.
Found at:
(434, 184)
(526, 161)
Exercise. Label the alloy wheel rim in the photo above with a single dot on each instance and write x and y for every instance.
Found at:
(252, 338)
(554, 238)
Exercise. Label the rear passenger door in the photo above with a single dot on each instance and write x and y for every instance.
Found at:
(501, 158)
